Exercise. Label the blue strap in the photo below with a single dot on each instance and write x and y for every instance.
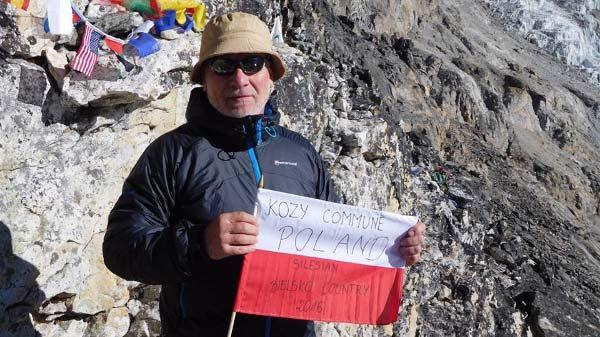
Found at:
(259, 132)
(255, 166)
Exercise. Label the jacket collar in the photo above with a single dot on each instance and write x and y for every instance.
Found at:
(229, 133)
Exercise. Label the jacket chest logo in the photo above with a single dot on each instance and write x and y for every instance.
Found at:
(287, 163)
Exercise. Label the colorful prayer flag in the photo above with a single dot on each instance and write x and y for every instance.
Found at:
(142, 45)
(77, 16)
(60, 17)
(22, 4)
(277, 31)
(87, 54)
(317, 260)
(114, 44)
(128, 65)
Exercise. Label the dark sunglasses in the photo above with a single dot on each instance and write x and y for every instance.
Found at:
(249, 65)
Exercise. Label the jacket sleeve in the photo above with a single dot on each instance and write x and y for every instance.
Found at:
(143, 242)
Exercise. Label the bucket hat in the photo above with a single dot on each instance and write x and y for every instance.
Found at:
(236, 33)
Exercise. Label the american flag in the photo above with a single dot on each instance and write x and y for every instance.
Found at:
(87, 54)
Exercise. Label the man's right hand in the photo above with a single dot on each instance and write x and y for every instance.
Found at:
(234, 233)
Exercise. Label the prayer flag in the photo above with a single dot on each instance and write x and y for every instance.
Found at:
(317, 260)
(22, 4)
(166, 22)
(114, 44)
(60, 17)
(77, 16)
(277, 31)
(142, 45)
(87, 54)
(128, 65)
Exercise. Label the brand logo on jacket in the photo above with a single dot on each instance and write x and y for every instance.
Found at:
(288, 163)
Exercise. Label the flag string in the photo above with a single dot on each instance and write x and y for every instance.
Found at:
(84, 19)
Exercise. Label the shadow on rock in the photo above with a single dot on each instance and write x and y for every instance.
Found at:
(20, 295)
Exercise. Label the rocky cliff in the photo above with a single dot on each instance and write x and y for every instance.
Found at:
(444, 109)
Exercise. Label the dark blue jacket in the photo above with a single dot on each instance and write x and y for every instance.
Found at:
(182, 181)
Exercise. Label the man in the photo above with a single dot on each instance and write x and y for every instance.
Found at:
(184, 219)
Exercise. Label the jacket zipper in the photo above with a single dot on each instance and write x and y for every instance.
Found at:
(260, 182)
(181, 301)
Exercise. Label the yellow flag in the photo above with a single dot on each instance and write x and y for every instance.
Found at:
(180, 6)
(200, 17)
(23, 4)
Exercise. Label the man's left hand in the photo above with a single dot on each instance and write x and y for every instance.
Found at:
(412, 244)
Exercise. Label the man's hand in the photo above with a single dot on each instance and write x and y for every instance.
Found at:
(234, 233)
(411, 244)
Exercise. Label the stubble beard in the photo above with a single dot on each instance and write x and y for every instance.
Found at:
(258, 109)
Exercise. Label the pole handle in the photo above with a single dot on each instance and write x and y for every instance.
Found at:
(230, 330)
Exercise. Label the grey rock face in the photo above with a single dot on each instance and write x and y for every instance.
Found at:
(418, 107)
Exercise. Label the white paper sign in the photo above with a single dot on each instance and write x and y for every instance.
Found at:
(311, 227)
(60, 17)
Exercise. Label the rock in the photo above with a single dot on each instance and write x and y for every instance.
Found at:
(302, 104)
(382, 17)
(170, 34)
(69, 252)
(445, 293)
(144, 309)
(24, 36)
(70, 328)
(57, 65)
(461, 197)
(145, 328)
(99, 294)
(117, 323)
(114, 324)
(33, 85)
(118, 23)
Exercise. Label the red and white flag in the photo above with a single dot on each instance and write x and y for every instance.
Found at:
(317, 260)
(87, 54)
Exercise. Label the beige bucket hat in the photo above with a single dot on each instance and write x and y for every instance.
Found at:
(236, 33)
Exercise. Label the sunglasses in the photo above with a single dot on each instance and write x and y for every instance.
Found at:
(249, 65)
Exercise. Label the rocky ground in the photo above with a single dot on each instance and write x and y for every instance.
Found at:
(423, 107)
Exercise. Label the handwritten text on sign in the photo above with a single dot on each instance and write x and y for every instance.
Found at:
(316, 228)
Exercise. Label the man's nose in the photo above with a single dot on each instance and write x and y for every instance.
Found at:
(240, 78)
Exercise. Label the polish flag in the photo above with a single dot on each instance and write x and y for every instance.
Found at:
(317, 260)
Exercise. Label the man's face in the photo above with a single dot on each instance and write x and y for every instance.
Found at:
(238, 94)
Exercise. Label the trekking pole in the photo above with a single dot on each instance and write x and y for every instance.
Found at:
(230, 330)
